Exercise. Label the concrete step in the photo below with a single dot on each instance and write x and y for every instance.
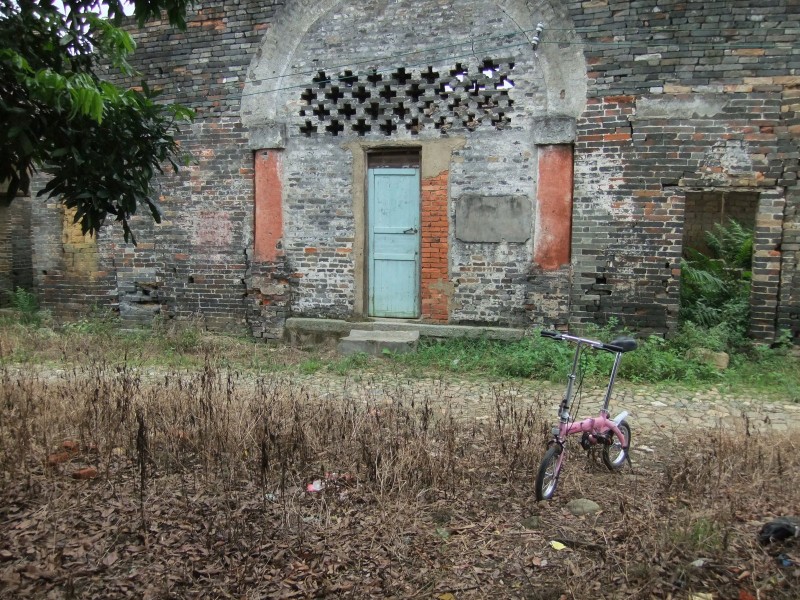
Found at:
(304, 331)
(375, 342)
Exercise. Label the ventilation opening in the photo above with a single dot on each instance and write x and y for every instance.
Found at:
(462, 97)
(393, 158)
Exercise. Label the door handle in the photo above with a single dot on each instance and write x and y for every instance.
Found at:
(411, 230)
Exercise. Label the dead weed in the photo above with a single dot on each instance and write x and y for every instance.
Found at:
(215, 484)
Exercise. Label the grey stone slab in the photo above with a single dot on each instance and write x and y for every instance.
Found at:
(377, 342)
(267, 136)
(554, 130)
(493, 218)
(340, 327)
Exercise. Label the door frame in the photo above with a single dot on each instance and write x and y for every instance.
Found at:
(391, 158)
(435, 156)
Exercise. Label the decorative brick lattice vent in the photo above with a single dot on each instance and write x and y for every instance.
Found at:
(383, 103)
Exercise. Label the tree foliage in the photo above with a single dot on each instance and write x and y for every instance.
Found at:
(100, 144)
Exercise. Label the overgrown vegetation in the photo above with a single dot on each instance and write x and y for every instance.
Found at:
(715, 287)
(170, 462)
(212, 484)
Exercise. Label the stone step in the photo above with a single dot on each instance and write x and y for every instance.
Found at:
(305, 331)
(375, 342)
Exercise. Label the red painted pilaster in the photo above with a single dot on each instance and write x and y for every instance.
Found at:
(268, 215)
(553, 232)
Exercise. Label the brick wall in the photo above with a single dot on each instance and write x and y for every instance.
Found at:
(69, 276)
(677, 98)
(686, 97)
(490, 278)
(16, 266)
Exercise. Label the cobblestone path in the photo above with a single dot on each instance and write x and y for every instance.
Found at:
(652, 409)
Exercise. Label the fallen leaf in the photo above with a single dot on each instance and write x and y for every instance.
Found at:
(557, 545)
(110, 558)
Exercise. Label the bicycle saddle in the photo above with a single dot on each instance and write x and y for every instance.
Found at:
(622, 344)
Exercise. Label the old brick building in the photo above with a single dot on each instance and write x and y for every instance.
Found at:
(429, 159)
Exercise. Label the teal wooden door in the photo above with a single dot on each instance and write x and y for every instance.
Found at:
(393, 252)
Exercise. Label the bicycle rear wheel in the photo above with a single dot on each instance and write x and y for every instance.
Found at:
(615, 455)
(549, 470)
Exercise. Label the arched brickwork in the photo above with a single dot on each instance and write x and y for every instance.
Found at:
(332, 81)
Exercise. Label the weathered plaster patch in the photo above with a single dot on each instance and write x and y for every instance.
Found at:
(726, 160)
(597, 176)
(211, 229)
(679, 107)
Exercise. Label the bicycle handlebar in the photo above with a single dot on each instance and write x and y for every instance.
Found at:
(622, 344)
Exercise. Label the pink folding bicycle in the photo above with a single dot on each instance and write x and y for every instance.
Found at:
(613, 435)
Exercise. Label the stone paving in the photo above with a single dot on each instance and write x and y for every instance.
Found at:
(653, 410)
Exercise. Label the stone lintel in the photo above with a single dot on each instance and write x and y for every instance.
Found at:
(268, 136)
(554, 130)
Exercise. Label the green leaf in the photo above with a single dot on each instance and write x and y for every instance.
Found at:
(99, 145)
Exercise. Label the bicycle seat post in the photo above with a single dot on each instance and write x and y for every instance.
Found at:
(564, 410)
(612, 378)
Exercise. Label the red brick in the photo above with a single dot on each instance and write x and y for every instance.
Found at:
(85, 473)
(58, 458)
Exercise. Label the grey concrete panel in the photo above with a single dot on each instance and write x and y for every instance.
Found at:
(493, 218)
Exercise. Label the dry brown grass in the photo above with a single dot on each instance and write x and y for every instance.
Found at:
(201, 492)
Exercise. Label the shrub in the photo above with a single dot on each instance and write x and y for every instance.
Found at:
(26, 305)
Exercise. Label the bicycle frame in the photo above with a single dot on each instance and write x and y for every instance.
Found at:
(596, 430)
(595, 425)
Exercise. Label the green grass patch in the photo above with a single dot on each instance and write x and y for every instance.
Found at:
(755, 369)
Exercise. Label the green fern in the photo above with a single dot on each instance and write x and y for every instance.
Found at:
(732, 243)
(715, 287)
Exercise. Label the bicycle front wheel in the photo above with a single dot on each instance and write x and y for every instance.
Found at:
(615, 455)
(549, 470)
